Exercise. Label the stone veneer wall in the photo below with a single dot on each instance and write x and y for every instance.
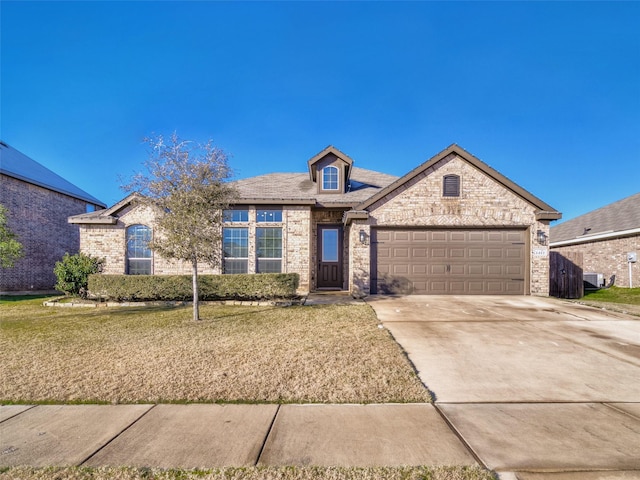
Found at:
(38, 216)
(609, 257)
(108, 241)
(483, 202)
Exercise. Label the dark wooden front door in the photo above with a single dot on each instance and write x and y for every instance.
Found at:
(329, 256)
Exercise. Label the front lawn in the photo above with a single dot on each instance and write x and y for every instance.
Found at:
(629, 296)
(626, 300)
(251, 473)
(333, 354)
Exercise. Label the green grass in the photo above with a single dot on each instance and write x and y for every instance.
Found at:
(250, 473)
(628, 296)
(319, 354)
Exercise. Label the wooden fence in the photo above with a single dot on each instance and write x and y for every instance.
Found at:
(565, 275)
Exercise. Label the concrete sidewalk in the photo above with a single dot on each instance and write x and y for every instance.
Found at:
(209, 435)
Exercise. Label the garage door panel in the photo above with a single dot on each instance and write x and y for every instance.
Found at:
(419, 269)
(457, 270)
(459, 261)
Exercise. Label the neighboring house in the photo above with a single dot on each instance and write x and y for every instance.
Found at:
(451, 226)
(39, 203)
(605, 237)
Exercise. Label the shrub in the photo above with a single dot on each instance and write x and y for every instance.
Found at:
(178, 287)
(73, 273)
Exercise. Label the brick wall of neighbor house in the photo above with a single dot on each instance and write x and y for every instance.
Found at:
(483, 202)
(38, 217)
(609, 257)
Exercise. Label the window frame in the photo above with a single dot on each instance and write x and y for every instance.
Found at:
(228, 215)
(235, 259)
(147, 252)
(276, 211)
(325, 173)
(261, 258)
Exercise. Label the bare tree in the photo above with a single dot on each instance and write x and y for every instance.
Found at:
(187, 185)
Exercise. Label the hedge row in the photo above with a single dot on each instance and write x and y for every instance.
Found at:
(178, 287)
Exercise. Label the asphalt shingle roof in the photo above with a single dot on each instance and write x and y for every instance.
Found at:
(297, 186)
(615, 217)
(16, 164)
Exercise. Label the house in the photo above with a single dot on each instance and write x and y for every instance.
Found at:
(607, 238)
(453, 225)
(38, 203)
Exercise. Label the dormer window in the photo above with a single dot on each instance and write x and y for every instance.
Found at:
(330, 179)
(330, 170)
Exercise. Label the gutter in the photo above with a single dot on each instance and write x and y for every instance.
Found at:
(595, 237)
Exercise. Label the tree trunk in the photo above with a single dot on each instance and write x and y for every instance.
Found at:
(196, 306)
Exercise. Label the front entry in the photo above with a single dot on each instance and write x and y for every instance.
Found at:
(329, 256)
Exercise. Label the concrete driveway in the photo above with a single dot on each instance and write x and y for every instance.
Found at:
(529, 384)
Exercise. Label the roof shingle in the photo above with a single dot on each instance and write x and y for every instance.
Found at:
(616, 217)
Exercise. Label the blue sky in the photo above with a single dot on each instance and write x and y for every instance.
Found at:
(547, 93)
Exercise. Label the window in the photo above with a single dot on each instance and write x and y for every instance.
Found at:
(138, 251)
(330, 178)
(235, 249)
(451, 186)
(235, 215)
(273, 215)
(330, 243)
(268, 250)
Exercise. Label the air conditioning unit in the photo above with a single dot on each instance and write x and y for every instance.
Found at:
(593, 280)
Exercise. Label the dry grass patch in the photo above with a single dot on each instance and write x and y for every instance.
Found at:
(334, 354)
(252, 473)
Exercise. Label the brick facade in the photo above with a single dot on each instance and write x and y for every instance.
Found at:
(483, 202)
(609, 257)
(109, 242)
(486, 200)
(38, 216)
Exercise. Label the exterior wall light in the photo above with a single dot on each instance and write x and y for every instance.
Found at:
(363, 237)
(541, 237)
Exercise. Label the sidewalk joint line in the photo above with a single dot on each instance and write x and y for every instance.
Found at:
(455, 431)
(116, 436)
(19, 413)
(266, 437)
(619, 410)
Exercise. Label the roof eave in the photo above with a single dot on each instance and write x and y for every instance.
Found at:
(81, 220)
(548, 215)
(274, 201)
(596, 237)
(351, 215)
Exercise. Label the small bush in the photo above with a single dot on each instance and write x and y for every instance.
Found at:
(178, 287)
(73, 273)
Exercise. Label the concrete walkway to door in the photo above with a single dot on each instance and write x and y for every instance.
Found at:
(530, 384)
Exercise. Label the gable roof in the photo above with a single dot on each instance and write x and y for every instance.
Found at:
(107, 216)
(17, 165)
(617, 219)
(544, 212)
(328, 151)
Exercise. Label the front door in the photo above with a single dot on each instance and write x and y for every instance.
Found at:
(329, 256)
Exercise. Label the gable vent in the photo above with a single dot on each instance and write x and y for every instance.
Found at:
(451, 186)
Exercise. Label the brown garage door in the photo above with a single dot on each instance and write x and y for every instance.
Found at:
(458, 261)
